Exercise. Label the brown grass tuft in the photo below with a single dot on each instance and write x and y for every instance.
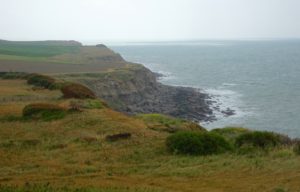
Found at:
(77, 91)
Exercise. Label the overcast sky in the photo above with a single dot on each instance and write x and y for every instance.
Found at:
(148, 20)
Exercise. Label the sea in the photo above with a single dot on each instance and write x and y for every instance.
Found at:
(258, 79)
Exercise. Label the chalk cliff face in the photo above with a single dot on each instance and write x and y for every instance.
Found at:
(134, 89)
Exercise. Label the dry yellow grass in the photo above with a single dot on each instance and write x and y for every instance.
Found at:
(73, 152)
(15, 94)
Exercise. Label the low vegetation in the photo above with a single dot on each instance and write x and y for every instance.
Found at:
(166, 123)
(297, 148)
(149, 153)
(78, 91)
(80, 104)
(261, 139)
(195, 143)
(37, 48)
(41, 81)
(48, 188)
(230, 133)
(13, 75)
(43, 111)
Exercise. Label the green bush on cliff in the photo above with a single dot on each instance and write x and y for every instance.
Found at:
(230, 133)
(41, 81)
(296, 148)
(197, 143)
(260, 139)
(43, 111)
(13, 75)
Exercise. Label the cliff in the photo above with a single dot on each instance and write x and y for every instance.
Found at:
(134, 89)
(127, 87)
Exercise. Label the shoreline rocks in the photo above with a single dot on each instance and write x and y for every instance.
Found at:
(140, 92)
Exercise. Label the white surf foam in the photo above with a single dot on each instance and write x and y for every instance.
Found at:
(224, 99)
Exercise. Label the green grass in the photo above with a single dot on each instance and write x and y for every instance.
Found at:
(13, 75)
(161, 119)
(230, 133)
(43, 111)
(169, 124)
(31, 49)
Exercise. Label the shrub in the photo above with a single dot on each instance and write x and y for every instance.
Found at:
(230, 133)
(197, 143)
(41, 81)
(13, 75)
(43, 111)
(78, 91)
(297, 148)
(284, 139)
(261, 139)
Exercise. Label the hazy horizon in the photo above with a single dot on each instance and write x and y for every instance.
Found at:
(149, 20)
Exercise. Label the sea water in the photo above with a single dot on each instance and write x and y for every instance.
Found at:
(260, 80)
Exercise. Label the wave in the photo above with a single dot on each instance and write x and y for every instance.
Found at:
(229, 84)
(226, 100)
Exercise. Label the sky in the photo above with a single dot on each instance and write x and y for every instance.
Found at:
(148, 20)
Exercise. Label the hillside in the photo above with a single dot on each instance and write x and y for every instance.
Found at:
(92, 122)
(127, 87)
(74, 151)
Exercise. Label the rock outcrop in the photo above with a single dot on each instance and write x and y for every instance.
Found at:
(135, 90)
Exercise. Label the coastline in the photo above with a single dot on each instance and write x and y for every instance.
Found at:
(127, 87)
(137, 89)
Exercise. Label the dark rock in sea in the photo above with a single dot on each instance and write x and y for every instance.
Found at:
(228, 112)
(159, 75)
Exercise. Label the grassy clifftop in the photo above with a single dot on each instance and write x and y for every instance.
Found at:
(38, 48)
(56, 136)
(75, 152)
(51, 57)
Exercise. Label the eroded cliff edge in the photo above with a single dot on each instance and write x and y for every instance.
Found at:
(127, 87)
(135, 89)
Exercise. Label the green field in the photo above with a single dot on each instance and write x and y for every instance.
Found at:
(51, 57)
(36, 49)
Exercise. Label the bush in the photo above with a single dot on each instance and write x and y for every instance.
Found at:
(13, 75)
(41, 81)
(197, 143)
(261, 139)
(43, 111)
(77, 91)
(284, 139)
(297, 148)
(230, 133)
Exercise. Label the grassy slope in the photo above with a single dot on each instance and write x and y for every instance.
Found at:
(52, 51)
(73, 152)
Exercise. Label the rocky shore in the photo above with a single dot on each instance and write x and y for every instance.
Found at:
(127, 87)
(136, 90)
